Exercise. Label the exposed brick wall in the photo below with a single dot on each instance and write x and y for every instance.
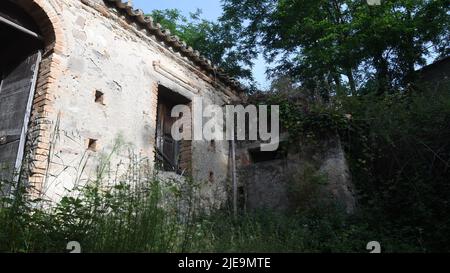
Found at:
(153, 114)
(41, 120)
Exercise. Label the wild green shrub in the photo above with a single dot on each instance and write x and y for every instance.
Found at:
(125, 218)
(399, 152)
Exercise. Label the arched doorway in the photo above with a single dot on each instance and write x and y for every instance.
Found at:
(20, 54)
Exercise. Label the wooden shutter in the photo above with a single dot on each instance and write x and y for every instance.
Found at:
(16, 96)
(166, 145)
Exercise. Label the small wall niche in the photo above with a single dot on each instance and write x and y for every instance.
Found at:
(99, 97)
(92, 145)
(212, 145)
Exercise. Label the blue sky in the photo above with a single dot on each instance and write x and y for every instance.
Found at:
(212, 9)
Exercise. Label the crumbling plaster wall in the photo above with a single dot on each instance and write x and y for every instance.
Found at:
(104, 53)
(309, 173)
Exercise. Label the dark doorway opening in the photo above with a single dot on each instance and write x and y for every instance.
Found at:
(172, 155)
(257, 156)
(20, 54)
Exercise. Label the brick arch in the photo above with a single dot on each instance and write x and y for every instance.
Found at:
(48, 22)
(42, 120)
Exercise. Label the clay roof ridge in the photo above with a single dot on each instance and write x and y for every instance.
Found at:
(175, 42)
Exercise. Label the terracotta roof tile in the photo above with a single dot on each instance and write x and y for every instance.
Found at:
(174, 42)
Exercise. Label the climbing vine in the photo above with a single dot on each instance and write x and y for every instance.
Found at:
(300, 119)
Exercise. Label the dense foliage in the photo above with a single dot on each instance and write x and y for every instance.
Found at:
(399, 153)
(327, 47)
(400, 161)
(342, 46)
(349, 68)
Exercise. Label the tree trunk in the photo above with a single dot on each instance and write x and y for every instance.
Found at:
(351, 81)
(382, 68)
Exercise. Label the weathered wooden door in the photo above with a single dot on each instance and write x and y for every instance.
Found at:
(16, 94)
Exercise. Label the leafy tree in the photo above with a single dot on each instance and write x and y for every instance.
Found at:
(399, 156)
(341, 45)
(214, 40)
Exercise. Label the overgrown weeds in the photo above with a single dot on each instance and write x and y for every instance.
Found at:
(126, 218)
(398, 150)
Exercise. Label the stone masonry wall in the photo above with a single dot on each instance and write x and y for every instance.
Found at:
(305, 175)
(106, 54)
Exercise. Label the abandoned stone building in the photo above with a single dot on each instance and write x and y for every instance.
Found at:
(79, 75)
(435, 75)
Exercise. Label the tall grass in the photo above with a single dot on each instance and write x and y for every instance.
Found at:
(140, 212)
(119, 218)
(123, 219)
